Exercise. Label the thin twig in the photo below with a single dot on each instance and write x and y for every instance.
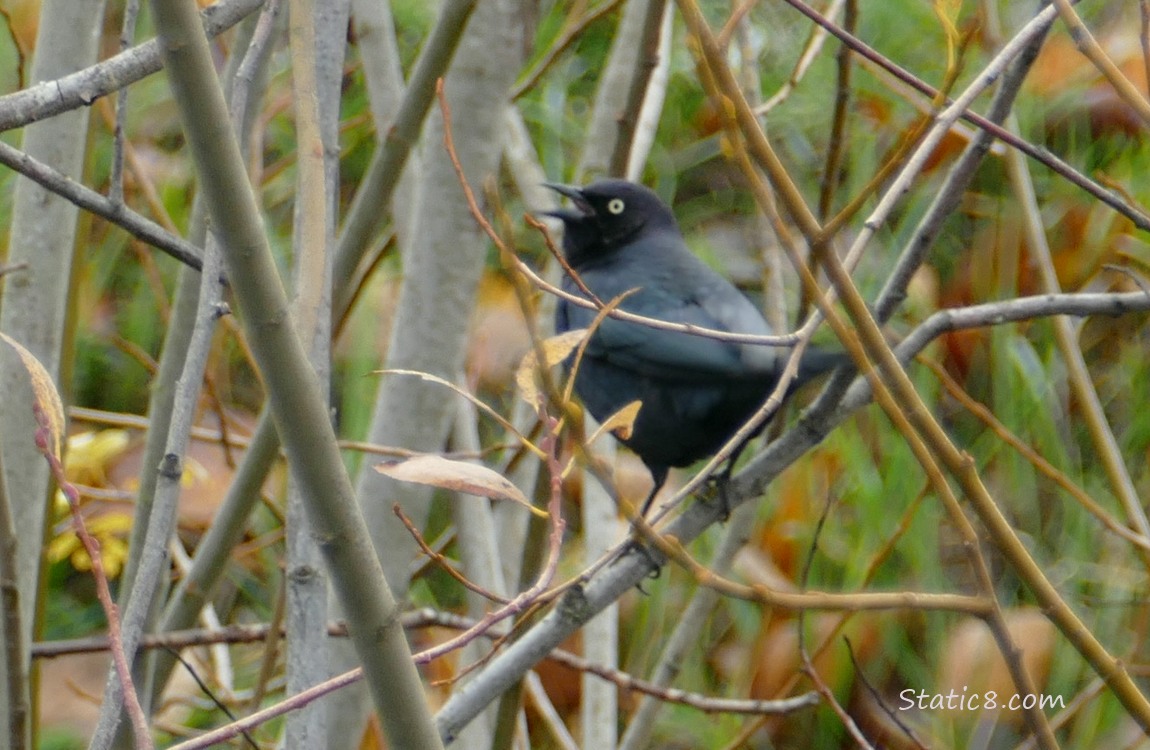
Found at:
(425, 617)
(1041, 464)
(572, 32)
(704, 703)
(810, 54)
(808, 665)
(828, 695)
(808, 600)
(531, 595)
(14, 267)
(627, 115)
(878, 698)
(1135, 213)
(561, 259)
(191, 670)
(292, 703)
(838, 138)
(119, 657)
(444, 564)
(114, 212)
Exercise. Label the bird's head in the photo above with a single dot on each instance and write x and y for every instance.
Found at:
(606, 215)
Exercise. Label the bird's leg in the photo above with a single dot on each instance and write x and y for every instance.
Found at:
(659, 474)
(723, 480)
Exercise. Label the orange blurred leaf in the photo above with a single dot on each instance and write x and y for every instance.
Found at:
(972, 662)
(23, 21)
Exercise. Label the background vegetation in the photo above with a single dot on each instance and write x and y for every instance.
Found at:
(995, 540)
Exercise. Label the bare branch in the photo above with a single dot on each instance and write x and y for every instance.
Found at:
(83, 87)
(114, 211)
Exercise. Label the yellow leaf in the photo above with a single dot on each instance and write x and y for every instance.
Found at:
(194, 471)
(109, 530)
(90, 453)
(110, 524)
(620, 423)
(113, 555)
(44, 392)
(948, 12)
(62, 546)
(459, 476)
(555, 350)
(81, 561)
(60, 505)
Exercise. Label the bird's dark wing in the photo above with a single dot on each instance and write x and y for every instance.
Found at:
(657, 276)
(669, 355)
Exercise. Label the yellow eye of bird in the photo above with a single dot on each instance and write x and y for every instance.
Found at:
(615, 206)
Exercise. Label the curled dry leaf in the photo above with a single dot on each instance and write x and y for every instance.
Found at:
(44, 391)
(619, 423)
(555, 350)
(459, 476)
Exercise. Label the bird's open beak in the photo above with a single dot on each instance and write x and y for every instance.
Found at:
(570, 191)
(575, 194)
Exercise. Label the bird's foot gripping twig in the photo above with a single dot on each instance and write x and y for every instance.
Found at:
(720, 495)
(643, 539)
(636, 545)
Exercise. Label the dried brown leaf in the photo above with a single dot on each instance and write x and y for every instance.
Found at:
(555, 350)
(458, 476)
(620, 423)
(44, 391)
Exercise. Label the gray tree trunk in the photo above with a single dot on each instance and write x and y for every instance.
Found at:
(306, 579)
(34, 305)
(443, 257)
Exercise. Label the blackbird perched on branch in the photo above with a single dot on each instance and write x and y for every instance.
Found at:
(695, 391)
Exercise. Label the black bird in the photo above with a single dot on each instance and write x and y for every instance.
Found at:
(695, 391)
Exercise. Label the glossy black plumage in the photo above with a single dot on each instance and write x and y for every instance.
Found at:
(696, 391)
